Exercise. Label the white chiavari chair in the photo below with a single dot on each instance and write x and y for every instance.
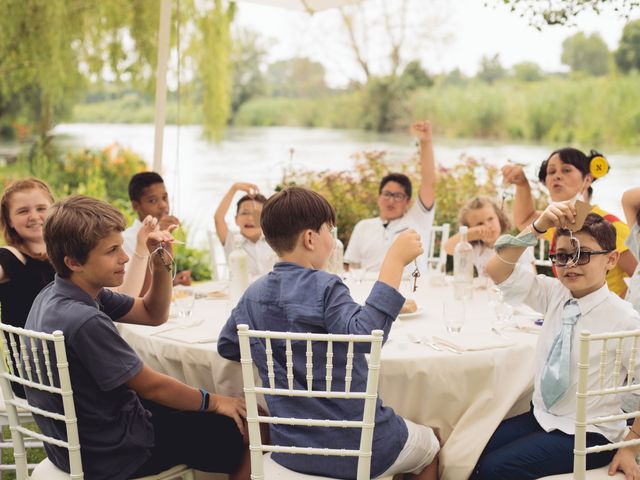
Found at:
(611, 381)
(39, 361)
(262, 466)
(437, 256)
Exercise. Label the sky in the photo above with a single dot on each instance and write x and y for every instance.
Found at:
(464, 31)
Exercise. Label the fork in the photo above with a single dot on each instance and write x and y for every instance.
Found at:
(440, 347)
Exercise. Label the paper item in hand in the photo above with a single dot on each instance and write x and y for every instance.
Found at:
(472, 343)
(582, 210)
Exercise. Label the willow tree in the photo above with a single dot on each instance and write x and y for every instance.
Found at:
(50, 49)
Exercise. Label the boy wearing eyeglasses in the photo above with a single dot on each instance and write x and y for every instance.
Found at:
(541, 441)
(372, 237)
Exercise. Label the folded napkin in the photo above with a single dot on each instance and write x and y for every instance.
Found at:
(472, 343)
(203, 333)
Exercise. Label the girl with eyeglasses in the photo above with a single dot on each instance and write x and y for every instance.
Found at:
(568, 174)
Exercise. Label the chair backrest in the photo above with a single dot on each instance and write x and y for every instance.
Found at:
(610, 382)
(39, 361)
(437, 256)
(251, 391)
(541, 257)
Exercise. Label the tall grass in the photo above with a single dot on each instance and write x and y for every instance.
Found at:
(588, 110)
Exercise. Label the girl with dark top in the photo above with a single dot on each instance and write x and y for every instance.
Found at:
(24, 267)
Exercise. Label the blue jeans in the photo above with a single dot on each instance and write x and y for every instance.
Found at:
(521, 449)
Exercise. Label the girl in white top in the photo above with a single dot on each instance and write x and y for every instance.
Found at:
(248, 211)
(486, 222)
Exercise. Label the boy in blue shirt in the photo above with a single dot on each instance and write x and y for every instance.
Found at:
(540, 442)
(297, 296)
(132, 420)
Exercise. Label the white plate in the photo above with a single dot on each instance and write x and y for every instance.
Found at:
(419, 311)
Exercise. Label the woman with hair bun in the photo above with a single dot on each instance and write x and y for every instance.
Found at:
(569, 174)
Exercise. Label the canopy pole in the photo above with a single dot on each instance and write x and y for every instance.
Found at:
(161, 83)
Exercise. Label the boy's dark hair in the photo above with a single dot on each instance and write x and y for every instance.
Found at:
(571, 156)
(597, 228)
(400, 178)
(258, 197)
(140, 181)
(74, 227)
(290, 211)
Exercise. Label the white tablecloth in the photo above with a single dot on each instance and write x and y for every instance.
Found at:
(463, 396)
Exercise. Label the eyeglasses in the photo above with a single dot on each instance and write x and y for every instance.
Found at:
(395, 196)
(584, 257)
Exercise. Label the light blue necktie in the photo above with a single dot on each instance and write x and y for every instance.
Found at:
(556, 374)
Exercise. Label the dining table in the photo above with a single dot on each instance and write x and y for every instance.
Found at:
(461, 384)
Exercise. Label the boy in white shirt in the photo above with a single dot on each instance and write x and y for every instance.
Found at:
(540, 442)
(372, 237)
(248, 211)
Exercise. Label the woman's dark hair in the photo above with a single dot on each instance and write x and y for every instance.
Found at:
(571, 156)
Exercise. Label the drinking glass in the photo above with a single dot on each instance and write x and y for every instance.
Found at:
(503, 312)
(356, 271)
(436, 275)
(184, 299)
(454, 314)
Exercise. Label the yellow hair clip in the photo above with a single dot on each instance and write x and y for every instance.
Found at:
(598, 167)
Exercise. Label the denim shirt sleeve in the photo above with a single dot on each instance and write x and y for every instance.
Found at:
(228, 343)
(344, 316)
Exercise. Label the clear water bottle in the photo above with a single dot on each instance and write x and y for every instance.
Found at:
(463, 268)
(336, 260)
(238, 271)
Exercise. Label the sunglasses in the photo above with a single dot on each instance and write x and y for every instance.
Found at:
(563, 259)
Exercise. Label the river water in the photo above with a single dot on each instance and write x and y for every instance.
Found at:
(198, 173)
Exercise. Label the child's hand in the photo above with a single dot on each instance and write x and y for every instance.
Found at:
(406, 247)
(249, 188)
(183, 278)
(513, 174)
(625, 461)
(165, 222)
(422, 131)
(557, 214)
(481, 232)
(149, 224)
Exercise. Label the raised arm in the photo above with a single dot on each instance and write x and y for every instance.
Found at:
(153, 308)
(559, 214)
(404, 249)
(134, 276)
(524, 210)
(422, 131)
(631, 205)
(219, 217)
(479, 232)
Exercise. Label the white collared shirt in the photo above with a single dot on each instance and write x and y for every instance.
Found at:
(130, 237)
(261, 256)
(371, 239)
(600, 312)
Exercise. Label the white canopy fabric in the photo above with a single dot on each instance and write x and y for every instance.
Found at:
(304, 5)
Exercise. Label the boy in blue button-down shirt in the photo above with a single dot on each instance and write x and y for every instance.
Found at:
(297, 296)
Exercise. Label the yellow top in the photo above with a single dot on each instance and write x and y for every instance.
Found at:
(616, 276)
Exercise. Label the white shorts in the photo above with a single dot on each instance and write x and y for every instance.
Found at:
(418, 452)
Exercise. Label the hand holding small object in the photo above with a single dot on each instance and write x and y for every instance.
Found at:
(557, 214)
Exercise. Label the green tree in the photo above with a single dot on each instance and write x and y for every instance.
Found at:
(49, 49)
(296, 77)
(527, 72)
(248, 53)
(414, 76)
(562, 12)
(628, 54)
(588, 54)
(491, 69)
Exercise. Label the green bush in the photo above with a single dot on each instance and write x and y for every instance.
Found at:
(354, 193)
